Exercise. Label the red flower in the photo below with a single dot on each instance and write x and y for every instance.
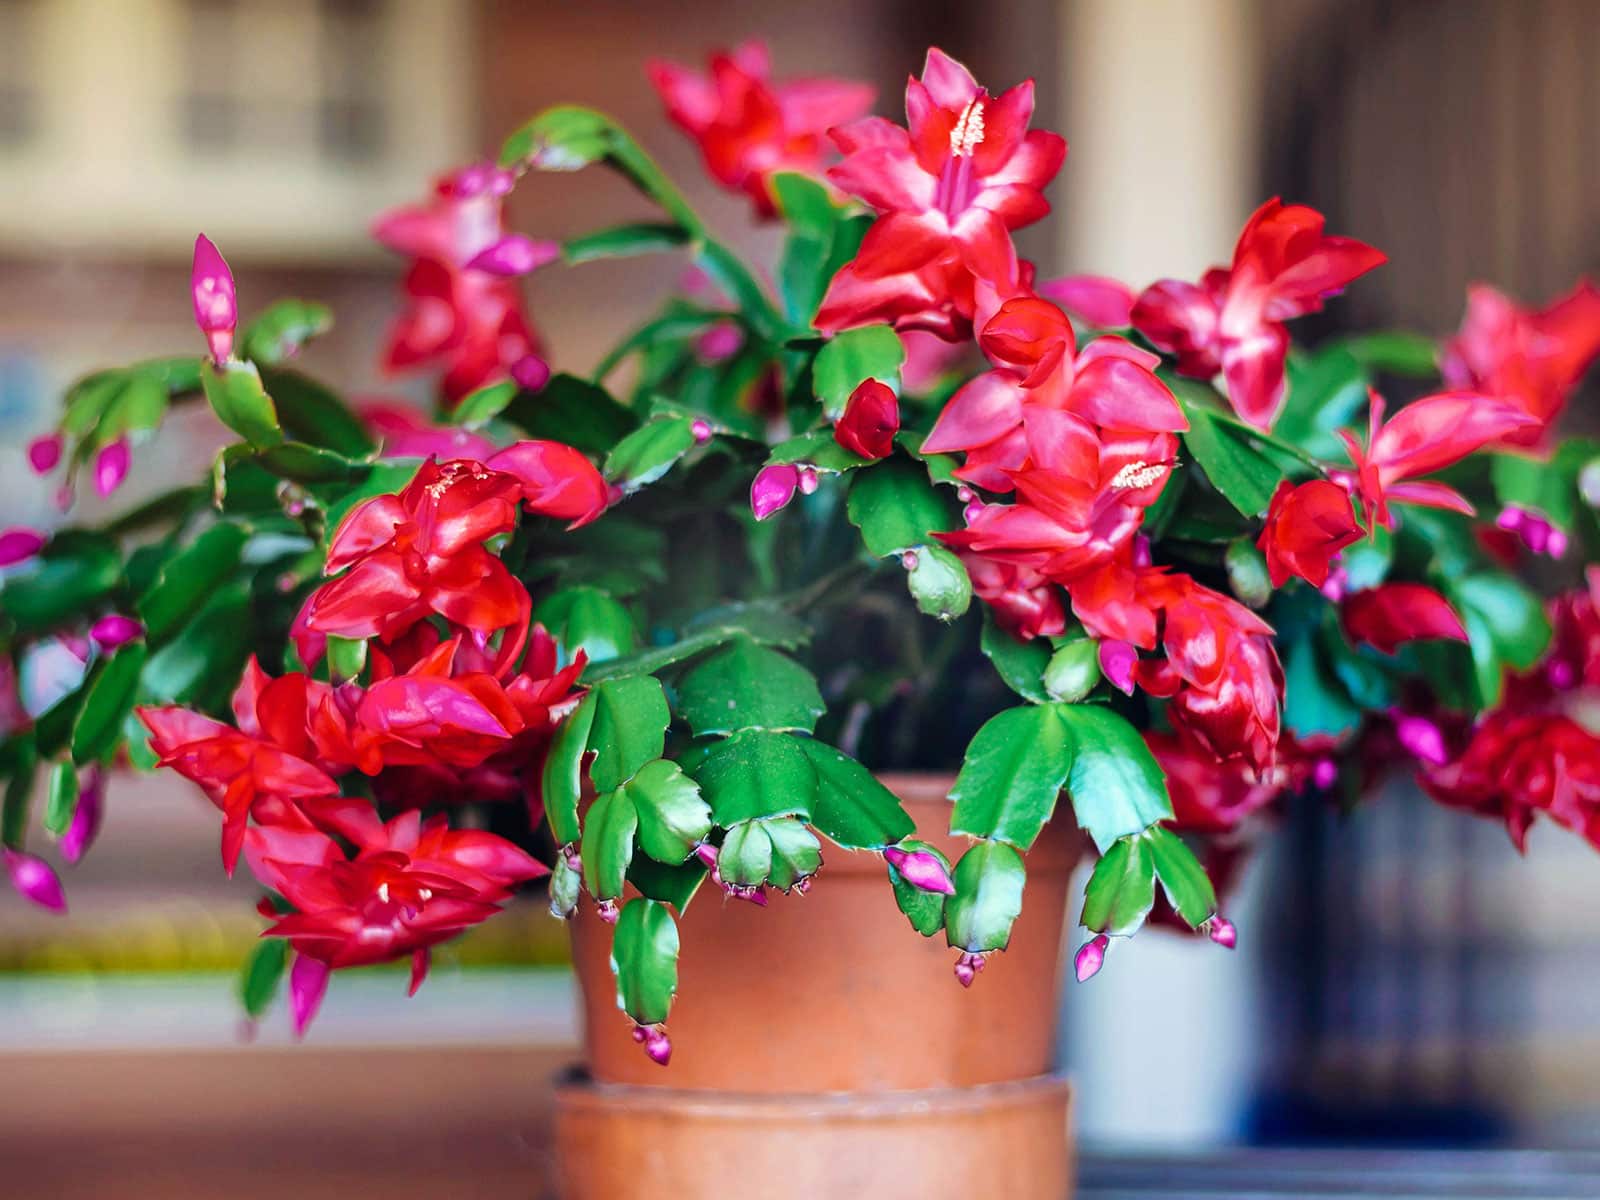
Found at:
(870, 421)
(1109, 383)
(1392, 613)
(1284, 266)
(1221, 673)
(266, 768)
(463, 314)
(748, 127)
(419, 553)
(1209, 797)
(557, 480)
(409, 886)
(948, 190)
(1536, 753)
(1529, 358)
(1025, 603)
(1102, 302)
(1307, 525)
(1423, 437)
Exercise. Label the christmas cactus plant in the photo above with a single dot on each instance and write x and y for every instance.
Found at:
(649, 631)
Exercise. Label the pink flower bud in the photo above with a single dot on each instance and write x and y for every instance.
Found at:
(700, 430)
(973, 508)
(80, 835)
(719, 342)
(658, 1046)
(921, 869)
(1090, 958)
(1422, 739)
(808, 480)
(1562, 675)
(216, 309)
(113, 629)
(965, 494)
(35, 880)
(1325, 773)
(308, 983)
(570, 853)
(803, 884)
(773, 487)
(111, 467)
(531, 373)
(910, 559)
(967, 968)
(1223, 932)
(44, 453)
(1557, 544)
(514, 254)
(1117, 661)
(1336, 585)
(19, 544)
(707, 854)
(607, 911)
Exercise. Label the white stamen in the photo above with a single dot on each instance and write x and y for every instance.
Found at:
(424, 894)
(1138, 475)
(968, 131)
(383, 892)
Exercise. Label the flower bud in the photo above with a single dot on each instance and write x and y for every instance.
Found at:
(658, 1046)
(607, 911)
(1073, 670)
(113, 629)
(1223, 932)
(111, 467)
(707, 854)
(922, 869)
(1090, 958)
(530, 373)
(216, 309)
(1589, 483)
(719, 342)
(85, 826)
(308, 983)
(514, 254)
(19, 544)
(1117, 661)
(700, 430)
(774, 487)
(938, 581)
(1247, 573)
(807, 480)
(44, 453)
(1422, 739)
(1325, 774)
(967, 968)
(35, 880)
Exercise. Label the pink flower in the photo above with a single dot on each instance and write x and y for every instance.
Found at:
(463, 313)
(1284, 266)
(113, 629)
(749, 127)
(921, 869)
(949, 189)
(773, 488)
(1102, 302)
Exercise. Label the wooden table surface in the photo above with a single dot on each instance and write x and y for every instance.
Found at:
(343, 1124)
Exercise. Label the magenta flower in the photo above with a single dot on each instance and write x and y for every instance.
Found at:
(35, 880)
(514, 254)
(216, 309)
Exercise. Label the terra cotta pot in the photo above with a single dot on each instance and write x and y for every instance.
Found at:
(824, 1028)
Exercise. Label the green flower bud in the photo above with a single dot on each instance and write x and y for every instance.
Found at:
(1247, 573)
(1073, 670)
